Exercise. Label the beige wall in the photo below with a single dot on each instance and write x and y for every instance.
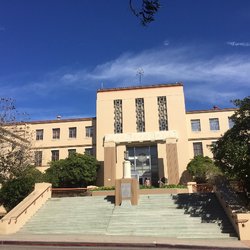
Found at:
(176, 118)
(64, 143)
(207, 136)
(179, 131)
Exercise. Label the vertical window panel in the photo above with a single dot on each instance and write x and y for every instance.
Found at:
(118, 116)
(162, 113)
(140, 115)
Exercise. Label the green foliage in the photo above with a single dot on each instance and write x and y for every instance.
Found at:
(174, 186)
(15, 190)
(202, 169)
(146, 11)
(232, 150)
(104, 188)
(75, 171)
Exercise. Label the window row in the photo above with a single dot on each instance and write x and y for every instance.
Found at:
(140, 114)
(213, 123)
(56, 133)
(55, 155)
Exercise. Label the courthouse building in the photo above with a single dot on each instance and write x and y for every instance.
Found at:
(147, 125)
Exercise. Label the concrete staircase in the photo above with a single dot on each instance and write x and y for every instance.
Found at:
(178, 216)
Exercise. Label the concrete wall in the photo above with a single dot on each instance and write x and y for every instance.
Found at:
(80, 143)
(20, 214)
(207, 136)
(175, 112)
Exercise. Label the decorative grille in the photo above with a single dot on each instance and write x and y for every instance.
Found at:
(118, 116)
(140, 116)
(162, 113)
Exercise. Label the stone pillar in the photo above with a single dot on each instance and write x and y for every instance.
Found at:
(109, 164)
(172, 163)
(126, 190)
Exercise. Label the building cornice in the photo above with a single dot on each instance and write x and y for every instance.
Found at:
(177, 84)
(211, 110)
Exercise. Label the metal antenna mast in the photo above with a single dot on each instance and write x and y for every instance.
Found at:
(140, 73)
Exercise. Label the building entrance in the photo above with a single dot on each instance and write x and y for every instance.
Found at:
(144, 164)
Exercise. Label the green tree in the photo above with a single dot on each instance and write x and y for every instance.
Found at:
(77, 170)
(203, 169)
(15, 190)
(232, 150)
(15, 141)
(145, 10)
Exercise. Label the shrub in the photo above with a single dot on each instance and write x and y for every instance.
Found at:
(15, 190)
(77, 170)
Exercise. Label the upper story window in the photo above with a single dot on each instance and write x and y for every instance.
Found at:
(214, 124)
(198, 150)
(72, 132)
(56, 133)
(89, 151)
(230, 123)
(89, 131)
(162, 113)
(54, 155)
(38, 158)
(71, 151)
(196, 125)
(117, 116)
(39, 134)
(140, 115)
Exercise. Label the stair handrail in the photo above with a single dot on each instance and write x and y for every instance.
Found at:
(25, 209)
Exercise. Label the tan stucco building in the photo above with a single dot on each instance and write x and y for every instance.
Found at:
(147, 125)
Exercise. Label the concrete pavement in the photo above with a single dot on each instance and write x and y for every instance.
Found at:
(122, 241)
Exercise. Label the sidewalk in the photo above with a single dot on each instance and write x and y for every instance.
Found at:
(122, 241)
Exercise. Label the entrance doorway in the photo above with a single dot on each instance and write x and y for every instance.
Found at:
(144, 163)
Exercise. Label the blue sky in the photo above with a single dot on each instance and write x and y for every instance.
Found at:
(55, 54)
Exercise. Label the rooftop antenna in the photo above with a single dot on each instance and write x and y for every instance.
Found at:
(101, 85)
(140, 73)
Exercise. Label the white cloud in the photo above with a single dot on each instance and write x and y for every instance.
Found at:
(236, 44)
(206, 78)
(166, 42)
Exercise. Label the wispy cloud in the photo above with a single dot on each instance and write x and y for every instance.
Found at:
(166, 42)
(237, 44)
(207, 79)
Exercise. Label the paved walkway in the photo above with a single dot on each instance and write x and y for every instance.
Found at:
(116, 241)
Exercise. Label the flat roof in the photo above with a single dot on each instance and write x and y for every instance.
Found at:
(163, 85)
(211, 110)
(62, 120)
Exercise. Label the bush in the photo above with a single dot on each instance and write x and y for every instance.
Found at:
(203, 169)
(77, 170)
(15, 190)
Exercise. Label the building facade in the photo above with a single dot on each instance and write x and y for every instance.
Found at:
(147, 125)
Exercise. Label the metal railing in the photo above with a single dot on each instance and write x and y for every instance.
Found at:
(26, 208)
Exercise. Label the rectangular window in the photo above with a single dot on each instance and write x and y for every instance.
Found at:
(71, 152)
(230, 123)
(38, 158)
(56, 133)
(198, 150)
(118, 116)
(196, 125)
(89, 131)
(54, 155)
(39, 134)
(162, 113)
(140, 115)
(72, 132)
(89, 151)
(214, 124)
